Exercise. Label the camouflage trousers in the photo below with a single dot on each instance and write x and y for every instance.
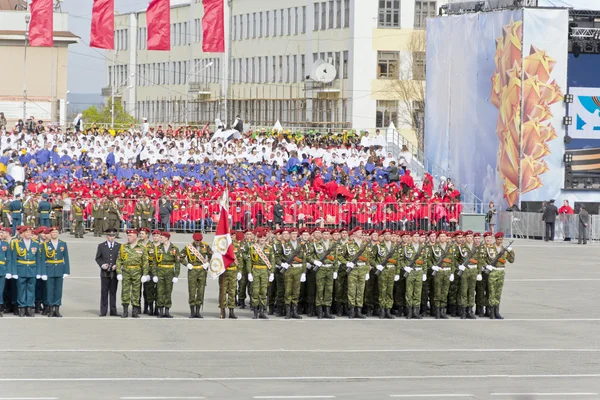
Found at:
(372, 290)
(196, 286)
(227, 288)
(495, 284)
(259, 287)
(340, 287)
(149, 291)
(244, 287)
(468, 281)
(385, 282)
(292, 284)
(414, 285)
(308, 289)
(131, 288)
(324, 278)
(441, 286)
(481, 292)
(356, 286)
(98, 226)
(400, 291)
(164, 287)
(427, 290)
(453, 292)
(279, 288)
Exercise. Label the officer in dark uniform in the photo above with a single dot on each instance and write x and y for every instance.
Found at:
(106, 258)
(44, 209)
(16, 209)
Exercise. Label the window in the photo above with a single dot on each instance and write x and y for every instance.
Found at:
(247, 26)
(296, 21)
(316, 19)
(423, 10)
(280, 75)
(302, 68)
(274, 69)
(418, 66)
(281, 15)
(247, 72)
(295, 75)
(234, 26)
(253, 25)
(323, 16)
(338, 13)
(303, 20)
(337, 65)
(345, 68)
(389, 14)
(387, 112)
(346, 13)
(289, 21)
(240, 70)
(387, 64)
(274, 22)
(330, 14)
(260, 24)
(267, 23)
(259, 69)
(241, 27)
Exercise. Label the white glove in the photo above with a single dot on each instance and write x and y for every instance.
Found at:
(285, 265)
(350, 264)
(509, 248)
(379, 267)
(424, 277)
(335, 275)
(65, 276)
(175, 279)
(119, 277)
(105, 218)
(144, 279)
(155, 279)
(396, 278)
(435, 268)
(190, 266)
(104, 266)
(479, 277)
(44, 277)
(461, 267)
(38, 276)
(149, 219)
(92, 218)
(205, 266)
(303, 278)
(451, 277)
(15, 276)
(8, 276)
(239, 276)
(250, 278)
(367, 277)
(489, 267)
(318, 263)
(408, 269)
(271, 277)
(309, 265)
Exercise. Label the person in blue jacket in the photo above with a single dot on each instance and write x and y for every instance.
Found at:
(26, 268)
(56, 266)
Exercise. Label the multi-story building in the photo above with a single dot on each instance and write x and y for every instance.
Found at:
(34, 81)
(272, 48)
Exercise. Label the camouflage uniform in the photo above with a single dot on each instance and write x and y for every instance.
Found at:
(468, 280)
(228, 283)
(327, 254)
(132, 264)
(260, 270)
(496, 276)
(414, 280)
(361, 255)
(196, 275)
(441, 279)
(386, 277)
(167, 268)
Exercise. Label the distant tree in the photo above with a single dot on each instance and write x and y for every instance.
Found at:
(93, 115)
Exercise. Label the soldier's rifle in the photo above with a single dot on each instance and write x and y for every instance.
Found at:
(387, 258)
(413, 261)
(294, 254)
(329, 250)
(441, 260)
(499, 256)
(470, 256)
(358, 255)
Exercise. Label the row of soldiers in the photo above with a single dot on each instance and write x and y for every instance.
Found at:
(33, 265)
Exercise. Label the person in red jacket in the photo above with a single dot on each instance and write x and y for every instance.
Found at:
(566, 220)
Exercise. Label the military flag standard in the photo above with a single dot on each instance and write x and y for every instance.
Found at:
(223, 255)
(102, 35)
(41, 26)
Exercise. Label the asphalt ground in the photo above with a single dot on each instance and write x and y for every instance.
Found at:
(547, 347)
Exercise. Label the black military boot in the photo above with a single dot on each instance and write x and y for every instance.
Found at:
(311, 310)
(49, 311)
(350, 312)
(359, 314)
(262, 314)
(125, 311)
(491, 311)
(167, 314)
(45, 309)
(408, 312)
(242, 304)
(135, 312)
(340, 310)
(21, 311)
(231, 314)
(470, 314)
(1, 310)
(388, 314)
(159, 312)
(416, 314)
(198, 315)
(319, 312)
(38, 308)
(255, 313)
(479, 311)
(369, 311)
(271, 309)
(497, 312)
(463, 312)
(443, 314)
(295, 314)
(381, 313)
(488, 310)
(29, 312)
(437, 312)
(423, 310)
(328, 314)
(288, 312)
(145, 308)
(151, 308)
(193, 311)
(15, 309)
(57, 312)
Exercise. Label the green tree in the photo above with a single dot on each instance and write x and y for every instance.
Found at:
(93, 115)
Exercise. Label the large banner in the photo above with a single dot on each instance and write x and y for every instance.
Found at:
(494, 105)
(585, 112)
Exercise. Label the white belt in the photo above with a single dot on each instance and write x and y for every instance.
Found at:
(391, 266)
(445, 269)
(361, 263)
(418, 269)
(296, 265)
(472, 266)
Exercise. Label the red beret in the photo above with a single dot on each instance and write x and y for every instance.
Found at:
(499, 235)
(156, 232)
(197, 237)
(39, 230)
(165, 234)
(487, 234)
(132, 231)
(145, 230)
(477, 234)
(261, 233)
(9, 230)
(25, 228)
(459, 233)
(356, 229)
(239, 236)
(383, 232)
(469, 232)
(48, 231)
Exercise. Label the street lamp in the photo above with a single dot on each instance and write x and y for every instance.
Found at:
(27, 19)
(189, 76)
(112, 98)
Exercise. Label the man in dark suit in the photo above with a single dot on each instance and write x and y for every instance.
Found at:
(549, 217)
(106, 258)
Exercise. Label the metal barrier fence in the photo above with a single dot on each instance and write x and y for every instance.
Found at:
(203, 216)
(528, 225)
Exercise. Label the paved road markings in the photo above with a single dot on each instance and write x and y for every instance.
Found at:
(441, 395)
(162, 398)
(293, 397)
(543, 394)
(301, 351)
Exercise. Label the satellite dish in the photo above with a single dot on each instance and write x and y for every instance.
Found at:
(313, 72)
(325, 73)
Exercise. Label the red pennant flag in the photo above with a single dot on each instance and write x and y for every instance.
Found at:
(41, 26)
(223, 254)
(158, 20)
(103, 25)
(213, 27)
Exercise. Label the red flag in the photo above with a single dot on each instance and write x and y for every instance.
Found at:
(158, 20)
(213, 27)
(102, 35)
(41, 27)
(223, 254)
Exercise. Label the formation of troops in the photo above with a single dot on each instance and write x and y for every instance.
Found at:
(323, 273)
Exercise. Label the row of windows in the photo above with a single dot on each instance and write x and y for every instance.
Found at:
(286, 21)
(178, 72)
(328, 15)
(389, 13)
(118, 76)
(121, 39)
(388, 66)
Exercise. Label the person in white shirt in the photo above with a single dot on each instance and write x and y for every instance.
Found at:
(405, 158)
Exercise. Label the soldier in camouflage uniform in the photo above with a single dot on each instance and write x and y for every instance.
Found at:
(148, 212)
(415, 274)
(77, 217)
(112, 214)
(428, 291)
(196, 256)
(168, 265)
(453, 292)
(470, 272)
(260, 265)
(150, 287)
(277, 288)
(308, 288)
(400, 285)
(356, 256)
(387, 270)
(30, 211)
(243, 285)
(98, 218)
(292, 259)
(481, 286)
(340, 294)
(496, 269)
(443, 264)
(132, 270)
(324, 257)
(228, 279)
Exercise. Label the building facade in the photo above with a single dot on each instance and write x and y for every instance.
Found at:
(41, 71)
(272, 53)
